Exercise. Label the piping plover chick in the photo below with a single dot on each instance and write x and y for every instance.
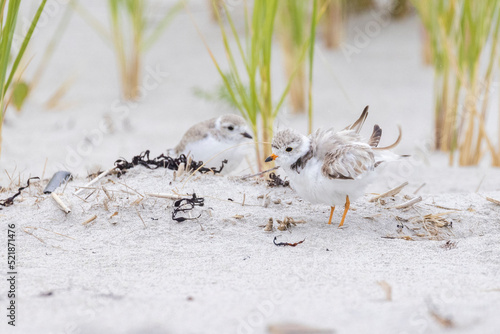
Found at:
(220, 135)
(329, 167)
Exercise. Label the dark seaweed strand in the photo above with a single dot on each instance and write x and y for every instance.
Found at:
(163, 161)
(287, 243)
(186, 204)
(9, 201)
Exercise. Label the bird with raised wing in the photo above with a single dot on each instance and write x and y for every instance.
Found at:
(329, 167)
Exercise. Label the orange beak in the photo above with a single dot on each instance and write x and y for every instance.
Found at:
(271, 157)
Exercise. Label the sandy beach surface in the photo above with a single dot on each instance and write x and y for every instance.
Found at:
(430, 268)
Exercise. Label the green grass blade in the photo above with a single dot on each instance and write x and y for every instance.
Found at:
(25, 44)
(6, 45)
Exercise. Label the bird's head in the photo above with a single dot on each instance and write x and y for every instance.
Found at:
(288, 146)
(233, 128)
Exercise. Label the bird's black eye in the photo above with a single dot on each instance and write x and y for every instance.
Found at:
(230, 128)
(289, 149)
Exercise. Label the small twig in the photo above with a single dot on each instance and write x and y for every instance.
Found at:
(409, 203)
(258, 174)
(92, 193)
(392, 192)
(99, 189)
(106, 193)
(90, 220)
(444, 207)
(61, 204)
(419, 188)
(243, 203)
(41, 228)
(164, 195)
(492, 200)
(99, 177)
(34, 236)
(123, 184)
(140, 217)
(44, 167)
(387, 289)
(480, 184)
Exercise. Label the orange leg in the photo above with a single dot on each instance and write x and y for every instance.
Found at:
(347, 204)
(331, 215)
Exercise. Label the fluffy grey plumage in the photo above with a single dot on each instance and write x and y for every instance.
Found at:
(215, 140)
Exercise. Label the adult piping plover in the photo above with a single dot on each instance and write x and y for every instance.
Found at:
(203, 141)
(331, 167)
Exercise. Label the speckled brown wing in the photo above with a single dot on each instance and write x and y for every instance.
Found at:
(195, 133)
(343, 155)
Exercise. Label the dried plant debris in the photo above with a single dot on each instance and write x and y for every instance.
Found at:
(185, 205)
(432, 226)
(269, 226)
(409, 203)
(492, 200)
(444, 321)
(449, 245)
(387, 289)
(277, 181)
(288, 222)
(10, 201)
(287, 243)
(297, 329)
(390, 193)
(93, 175)
(165, 161)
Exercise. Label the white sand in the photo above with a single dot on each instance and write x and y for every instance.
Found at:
(219, 274)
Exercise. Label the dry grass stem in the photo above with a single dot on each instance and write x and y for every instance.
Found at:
(34, 236)
(492, 200)
(99, 177)
(164, 195)
(90, 220)
(443, 321)
(106, 193)
(409, 203)
(419, 188)
(44, 168)
(140, 217)
(391, 192)
(387, 289)
(259, 174)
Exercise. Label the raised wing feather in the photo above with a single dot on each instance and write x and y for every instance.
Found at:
(344, 155)
(356, 126)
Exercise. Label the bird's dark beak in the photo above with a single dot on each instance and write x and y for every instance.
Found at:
(271, 157)
(247, 135)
